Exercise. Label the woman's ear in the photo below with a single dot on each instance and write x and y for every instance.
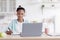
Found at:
(24, 14)
(15, 13)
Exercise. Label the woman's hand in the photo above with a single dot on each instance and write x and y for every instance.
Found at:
(9, 32)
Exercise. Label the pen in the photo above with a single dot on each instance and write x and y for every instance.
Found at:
(9, 29)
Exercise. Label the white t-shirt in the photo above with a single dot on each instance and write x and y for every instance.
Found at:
(18, 28)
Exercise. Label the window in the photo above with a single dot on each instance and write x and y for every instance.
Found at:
(12, 5)
(3, 5)
(7, 5)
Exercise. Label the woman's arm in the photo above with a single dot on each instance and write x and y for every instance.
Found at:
(9, 29)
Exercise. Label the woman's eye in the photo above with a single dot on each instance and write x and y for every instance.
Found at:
(22, 14)
(18, 13)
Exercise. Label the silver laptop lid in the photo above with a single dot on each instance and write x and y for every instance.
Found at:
(31, 29)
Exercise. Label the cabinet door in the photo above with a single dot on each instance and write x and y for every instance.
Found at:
(50, 12)
(47, 0)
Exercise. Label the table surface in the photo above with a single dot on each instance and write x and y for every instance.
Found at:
(31, 38)
(18, 37)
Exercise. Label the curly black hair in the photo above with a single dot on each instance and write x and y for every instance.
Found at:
(20, 8)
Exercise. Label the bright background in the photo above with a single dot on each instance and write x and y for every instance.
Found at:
(34, 11)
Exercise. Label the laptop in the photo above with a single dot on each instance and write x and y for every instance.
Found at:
(31, 30)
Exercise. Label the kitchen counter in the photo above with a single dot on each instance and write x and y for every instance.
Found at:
(10, 37)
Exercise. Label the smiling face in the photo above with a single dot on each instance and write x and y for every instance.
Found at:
(20, 14)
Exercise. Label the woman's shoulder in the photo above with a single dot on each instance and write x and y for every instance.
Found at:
(15, 21)
(26, 21)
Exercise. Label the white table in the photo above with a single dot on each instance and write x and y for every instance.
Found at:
(9, 37)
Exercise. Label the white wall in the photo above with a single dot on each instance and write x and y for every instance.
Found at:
(33, 11)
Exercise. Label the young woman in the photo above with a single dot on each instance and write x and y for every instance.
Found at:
(15, 27)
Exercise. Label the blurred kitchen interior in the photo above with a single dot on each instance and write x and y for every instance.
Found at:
(36, 10)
